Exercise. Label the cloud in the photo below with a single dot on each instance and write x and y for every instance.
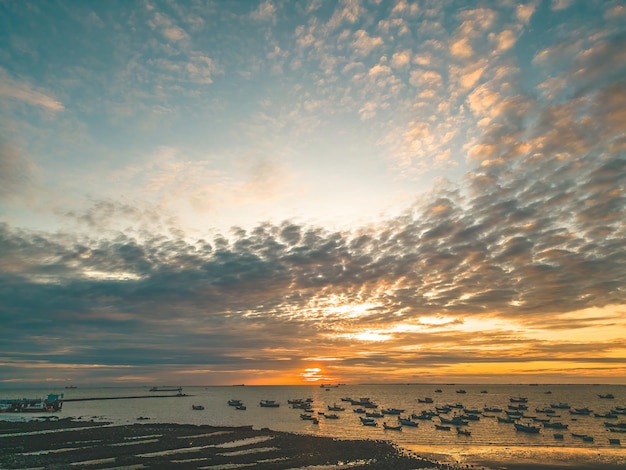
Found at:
(265, 11)
(201, 68)
(364, 44)
(525, 11)
(17, 172)
(469, 75)
(505, 40)
(526, 246)
(462, 48)
(348, 11)
(21, 91)
(558, 5)
(401, 59)
(174, 33)
(530, 238)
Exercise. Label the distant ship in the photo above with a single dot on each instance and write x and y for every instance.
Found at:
(167, 389)
(50, 404)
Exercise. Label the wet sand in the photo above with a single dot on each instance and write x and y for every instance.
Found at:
(527, 458)
(76, 444)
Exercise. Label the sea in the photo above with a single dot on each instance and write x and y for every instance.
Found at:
(490, 440)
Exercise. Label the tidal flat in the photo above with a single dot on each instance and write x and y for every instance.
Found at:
(76, 444)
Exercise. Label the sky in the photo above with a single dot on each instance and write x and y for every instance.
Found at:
(208, 192)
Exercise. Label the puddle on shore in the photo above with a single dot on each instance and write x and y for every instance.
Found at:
(148, 436)
(226, 445)
(53, 451)
(209, 434)
(49, 431)
(244, 442)
(134, 443)
(228, 466)
(93, 462)
(335, 467)
(180, 450)
(195, 459)
(248, 451)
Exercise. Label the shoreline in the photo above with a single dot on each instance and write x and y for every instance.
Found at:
(526, 457)
(85, 443)
(68, 443)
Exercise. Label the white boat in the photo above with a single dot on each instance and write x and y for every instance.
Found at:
(269, 404)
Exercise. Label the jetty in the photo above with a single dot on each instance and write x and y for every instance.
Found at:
(126, 397)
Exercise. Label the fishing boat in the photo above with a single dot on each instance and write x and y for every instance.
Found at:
(555, 425)
(335, 408)
(608, 396)
(520, 407)
(167, 389)
(558, 435)
(488, 409)
(560, 406)
(439, 427)
(470, 417)
(392, 427)
(50, 404)
(407, 422)
(197, 407)
(463, 432)
(425, 415)
(425, 400)
(457, 420)
(615, 425)
(392, 411)
(300, 401)
(529, 428)
(360, 401)
(240, 407)
(233, 402)
(614, 441)
(518, 399)
(302, 406)
(269, 404)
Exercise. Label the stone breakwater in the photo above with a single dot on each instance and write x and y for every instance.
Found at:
(79, 444)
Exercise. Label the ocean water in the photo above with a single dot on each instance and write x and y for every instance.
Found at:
(489, 439)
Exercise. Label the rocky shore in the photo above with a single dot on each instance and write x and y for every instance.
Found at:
(76, 444)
